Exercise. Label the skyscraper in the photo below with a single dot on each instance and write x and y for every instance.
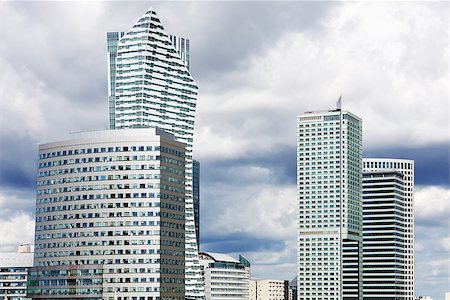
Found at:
(388, 228)
(196, 197)
(110, 211)
(329, 175)
(150, 86)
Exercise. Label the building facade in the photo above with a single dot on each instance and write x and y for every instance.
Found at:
(269, 289)
(293, 289)
(14, 268)
(329, 180)
(110, 209)
(150, 85)
(226, 278)
(388, 206)
(196, 198)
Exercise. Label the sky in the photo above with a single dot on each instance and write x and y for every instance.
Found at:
(258, 66)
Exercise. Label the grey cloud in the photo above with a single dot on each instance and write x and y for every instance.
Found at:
(239, 243)
(17, 161)
(225, 34)
(249, 97)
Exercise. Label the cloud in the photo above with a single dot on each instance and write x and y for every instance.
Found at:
(431, 162)
(374, 59)
(432, 237)
(15, 230)
(258, 65)
(432, 206)
(15, 201)
(259, 209)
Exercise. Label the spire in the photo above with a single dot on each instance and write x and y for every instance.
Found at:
(339, 102)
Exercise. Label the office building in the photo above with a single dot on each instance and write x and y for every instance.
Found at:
(269, 289)
(388, 205)
(180, 44)
(329, 179)
(226, 278)
(150, 85)
(13, 273)
(293, 289)
(196, 198)
(110, 209)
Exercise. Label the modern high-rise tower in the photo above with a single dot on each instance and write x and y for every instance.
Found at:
(388, 229)
(110, 219)
(329, 223)
(196, 197)
(150, 86)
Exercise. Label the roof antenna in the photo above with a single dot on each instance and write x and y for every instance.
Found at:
(339, 103)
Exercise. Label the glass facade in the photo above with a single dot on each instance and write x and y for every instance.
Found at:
(329, 216)
(196, 197)
(388, 206)
(110, 211)
(153, 87)
(13, 274)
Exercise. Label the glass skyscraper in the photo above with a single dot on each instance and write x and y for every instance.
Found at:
(150, 85)
(388, 228)
(196, 197)
(110, 217)
(329, 212)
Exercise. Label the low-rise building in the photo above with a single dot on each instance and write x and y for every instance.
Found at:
(13, 273)
(226, 278)
(269, 289)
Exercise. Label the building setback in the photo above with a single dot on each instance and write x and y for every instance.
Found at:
(150, 85)
(110, 217)
(269, 289)
(196, 198)
(388, 226)
(226, 278)
(13, 273)
(329, 176)
(293, 289)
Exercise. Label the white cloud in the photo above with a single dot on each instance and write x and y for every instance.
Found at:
(390, 61)
(259, 210)
(432, 204)
(15, 230)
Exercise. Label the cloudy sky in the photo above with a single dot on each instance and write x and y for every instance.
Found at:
(258, 65)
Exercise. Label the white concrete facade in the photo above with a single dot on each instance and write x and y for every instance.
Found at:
(269, 289)
(406, 227)
(110, 213)
(329, 215)
(226, 278)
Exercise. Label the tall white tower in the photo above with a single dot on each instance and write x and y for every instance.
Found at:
(388, 205)
(329, 223)
(150, 86)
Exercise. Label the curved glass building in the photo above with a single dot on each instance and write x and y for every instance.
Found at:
(110, 217)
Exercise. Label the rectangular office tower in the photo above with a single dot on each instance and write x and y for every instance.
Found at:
(329, 223)
(388, 229)
(110, 211)
(150, 85)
